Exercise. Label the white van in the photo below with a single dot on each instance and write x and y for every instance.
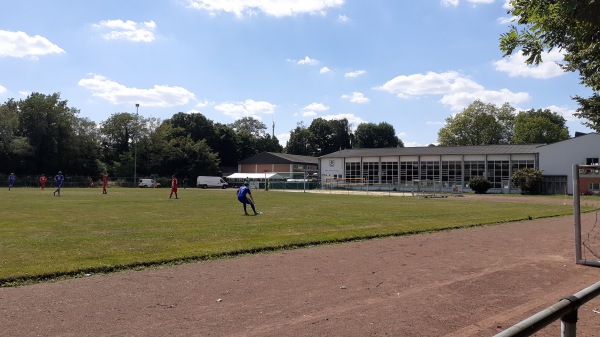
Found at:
(147, 183)
(206, 182)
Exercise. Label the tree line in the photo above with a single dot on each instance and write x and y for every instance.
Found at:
(41, 133)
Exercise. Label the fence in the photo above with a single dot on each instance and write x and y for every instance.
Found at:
(565, 310)
(76, 181)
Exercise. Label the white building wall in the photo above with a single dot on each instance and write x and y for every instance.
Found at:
(331, 167)
(558, 158)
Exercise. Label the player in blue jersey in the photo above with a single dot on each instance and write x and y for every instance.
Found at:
(11, 181)
(245, 197)
(59, 181)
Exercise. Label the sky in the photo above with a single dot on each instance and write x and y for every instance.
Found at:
(409, 63)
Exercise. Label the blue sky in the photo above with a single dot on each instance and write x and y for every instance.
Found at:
(409, 63)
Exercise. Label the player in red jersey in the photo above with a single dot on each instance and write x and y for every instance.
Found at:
(173, 187)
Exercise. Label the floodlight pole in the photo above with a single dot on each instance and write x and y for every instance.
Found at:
(137, 106)
(266, 182)
(304, 180)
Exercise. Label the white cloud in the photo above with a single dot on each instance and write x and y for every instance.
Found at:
(505, 20)
(279, 8)
(157, 96)
(454, 3)
(308, 61)
(311, 109)
(343, 18)
(461, 100)
(412, 144)
(203, 104)
(2, 89)
(563, 111)
(515, 65)
(448, 3)
(316, 107)
(356, 97)
(19, 44)
(248, 108)
(324, 70)
(352, 119)
(127, 30)
(283, 138)
(430, 83)
(354, 74)
(457, 91)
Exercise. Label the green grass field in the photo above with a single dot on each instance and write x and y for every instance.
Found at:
(44, 237)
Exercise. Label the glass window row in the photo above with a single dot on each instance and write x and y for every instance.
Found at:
(450, 172)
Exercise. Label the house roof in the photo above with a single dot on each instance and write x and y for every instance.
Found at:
(279, 158)
(437, 150)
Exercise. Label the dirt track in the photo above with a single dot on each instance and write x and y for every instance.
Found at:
(473, 282)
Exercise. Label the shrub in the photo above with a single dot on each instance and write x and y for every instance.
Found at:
(479, 185)
(528, 180)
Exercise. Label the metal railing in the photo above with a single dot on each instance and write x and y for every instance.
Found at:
(565, 310)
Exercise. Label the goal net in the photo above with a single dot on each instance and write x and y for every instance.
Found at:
(586, 179)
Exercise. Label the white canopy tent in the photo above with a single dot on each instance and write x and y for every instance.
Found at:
(255, 176)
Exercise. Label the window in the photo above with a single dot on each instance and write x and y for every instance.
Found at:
(498, 171)
(594, 187)
(409, 171)
(430, 170)
(520, 164)
(389, 172)
(591, 161)
(371, 172)
(353, 172)
(452, 172)
(474, 169)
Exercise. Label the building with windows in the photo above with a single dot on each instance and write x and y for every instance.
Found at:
(448, 167)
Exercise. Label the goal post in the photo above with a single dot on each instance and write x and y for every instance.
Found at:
(592, 242)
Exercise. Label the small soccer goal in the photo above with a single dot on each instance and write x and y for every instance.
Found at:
(587, 240)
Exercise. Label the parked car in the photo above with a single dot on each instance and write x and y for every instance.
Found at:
(148, 183)
(206, 182)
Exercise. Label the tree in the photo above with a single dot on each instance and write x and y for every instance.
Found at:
(528, 180)
(571, 26)
(539, 127)
(117, 136)
(9, 124)
(196, 125)
(267, 143)
(321, 137)
(52, 130)
(478, 124)
(341, 134)
(251, 125)
(371, 135)
(226, 144)
(300, 141)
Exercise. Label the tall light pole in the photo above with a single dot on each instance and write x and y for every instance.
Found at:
(137, 106)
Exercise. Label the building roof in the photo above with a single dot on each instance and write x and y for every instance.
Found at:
(437, 150)
(279, 158)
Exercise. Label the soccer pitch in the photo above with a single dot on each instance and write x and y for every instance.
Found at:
(44, 236)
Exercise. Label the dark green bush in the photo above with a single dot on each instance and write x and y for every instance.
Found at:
(479, 185)
(528, 180)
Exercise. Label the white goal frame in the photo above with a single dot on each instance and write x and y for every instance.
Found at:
(579, 259)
